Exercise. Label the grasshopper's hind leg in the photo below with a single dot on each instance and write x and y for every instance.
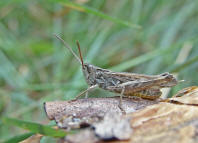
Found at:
(120, 102)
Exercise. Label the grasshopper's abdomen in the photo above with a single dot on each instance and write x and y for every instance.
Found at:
(147, 94)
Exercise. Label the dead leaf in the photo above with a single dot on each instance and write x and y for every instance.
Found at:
(189, 96)
(84, 136)
(163, 122)
(113, 127)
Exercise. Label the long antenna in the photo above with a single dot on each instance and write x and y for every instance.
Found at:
(81, 58)
(68, 47)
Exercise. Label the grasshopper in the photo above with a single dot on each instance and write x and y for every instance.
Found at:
(127, 84)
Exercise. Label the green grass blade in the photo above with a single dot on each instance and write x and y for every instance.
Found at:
(87, 9)
(18, 138)
(35, 127)
(184, 65)
(174, 28)
(141, 59)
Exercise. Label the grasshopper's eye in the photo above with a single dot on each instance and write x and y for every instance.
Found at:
(165, 74)
(88, 70)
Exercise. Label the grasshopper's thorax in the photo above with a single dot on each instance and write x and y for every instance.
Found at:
(97, 76)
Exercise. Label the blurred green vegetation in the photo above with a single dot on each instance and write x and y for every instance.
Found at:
(141, 36)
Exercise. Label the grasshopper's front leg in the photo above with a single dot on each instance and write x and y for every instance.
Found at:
(86, 91)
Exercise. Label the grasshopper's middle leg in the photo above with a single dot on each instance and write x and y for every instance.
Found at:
(120, 102)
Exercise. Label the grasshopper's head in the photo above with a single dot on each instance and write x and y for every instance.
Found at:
(89, 72)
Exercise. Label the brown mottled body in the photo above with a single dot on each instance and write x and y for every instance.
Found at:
(144, 86)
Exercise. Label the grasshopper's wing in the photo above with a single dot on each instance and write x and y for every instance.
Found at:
(144, 81)
(134, 76)
(136, 86)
